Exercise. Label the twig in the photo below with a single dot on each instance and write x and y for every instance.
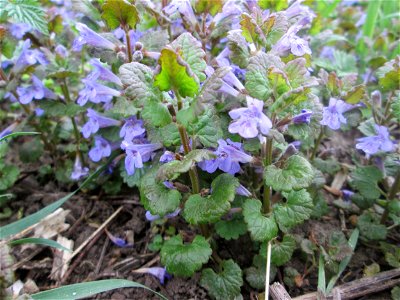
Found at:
(361, 287)
(103, 252)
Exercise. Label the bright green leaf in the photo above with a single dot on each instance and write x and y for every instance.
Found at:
(207, 6)
(296, 173)
(185, 259)
(8, 175)
(223, 285)
(175, 74)
(389, 75)
(199, 210)
(298, 208)
(189, 48)
(39, 241)
(120, 13)
(261, 228)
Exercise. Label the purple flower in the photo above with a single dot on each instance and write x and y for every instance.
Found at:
(29, 57)
(118, 241)
(241, 190)
(35, 91)
(102, 148)
(9, 129)
(88, 36)
(185, 9)
(167, 157)
(39, 111)
(61, 51)
(347, 194)
(379, 142)
(290, 41)
(95, 122)
(131, 129)
(96, 92)
(136, 154)
(103, 73)
(230, 9)
(249, 121)
(79, 171)
(297, 9)
(229, 155)
(230, 78)
(333, 114)
(303, 117)
(151, 218)
(19, 30)
(160, 273)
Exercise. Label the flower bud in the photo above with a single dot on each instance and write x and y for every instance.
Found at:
(376, 97)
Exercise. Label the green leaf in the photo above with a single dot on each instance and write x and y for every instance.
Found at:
(343, 63)
(189, 48)
(365, 179)
(154, 40)
(239, 49)
(120, 13)
(18, 226)
(200, 210)
(173, 169)
(255, 275)
(15, 134)
(31, 151)
(167, 135)
(8, 176)
(389, 75)
(26, 11)
(298, 208)
(175, 74)
(206, 6)
(39, 241)
(355, 94)
(330, 166)
(224, 285)
(124, 108)
(261, 228)
(276, 5)
(138, 83)
(156, 197)
(87, 289)
(231, 229)
(370, 227)
(156, 114)
(257, 81)
(206, 128)
(133, 180)
(395, 106)
(282, 251)
(296, 173)
(58, 109)
(392, 254)
(185, 259)
(395, 293)
(274, 27)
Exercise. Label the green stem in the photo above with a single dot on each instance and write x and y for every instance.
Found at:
(128, 45)
(267, 189)
(318, 141)
(65, 90)
(391, 197)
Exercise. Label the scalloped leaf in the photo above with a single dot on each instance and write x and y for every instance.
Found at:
(189, 48)
(231, 229)
(261, 228)
(120, 13)
(185, 259)
(365, 179)
(175, 74)
(296, 173)
(298, 208)
(200, 210)
(138, 83)
(156, 197)
(239, 49)
(281, 251)
(223, 285)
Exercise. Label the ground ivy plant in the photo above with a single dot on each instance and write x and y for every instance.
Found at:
(214, 112)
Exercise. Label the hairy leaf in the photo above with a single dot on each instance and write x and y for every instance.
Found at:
(261, 228)
(156, 113)
(120, 13)
(231, 229)
(298, 208)
(223, 285)
(185, 259)
(370, 227)
(297, 173)
(239, 49)
(365, 179)
(200, 210)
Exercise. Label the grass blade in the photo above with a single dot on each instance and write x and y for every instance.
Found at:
(343, 264)
(321, 275)
(39, 241)
(15, 134)
(86, 289)
(369, 25)
(34, 218)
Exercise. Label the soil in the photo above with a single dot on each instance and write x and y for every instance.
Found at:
(88, 211)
